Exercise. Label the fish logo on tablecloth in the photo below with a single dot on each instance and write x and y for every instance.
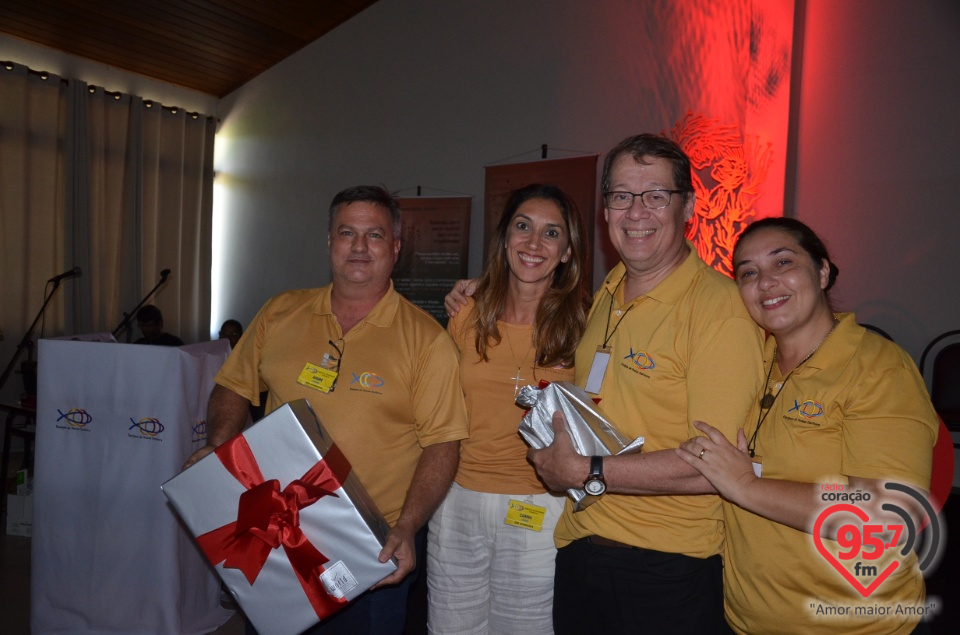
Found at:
(148, 427)
(75, 418)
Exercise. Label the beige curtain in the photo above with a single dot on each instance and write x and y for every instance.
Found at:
(32, 124)
(110, 183)
(176, 216)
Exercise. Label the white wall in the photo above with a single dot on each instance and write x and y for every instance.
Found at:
(425, 92)
(418, 92)
(879, 158)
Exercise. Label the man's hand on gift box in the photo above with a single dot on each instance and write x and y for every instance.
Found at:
(196, 456)
(400, 544)
(558, 464)
(431, 480)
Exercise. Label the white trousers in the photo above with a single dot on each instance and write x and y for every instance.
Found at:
(485, 576)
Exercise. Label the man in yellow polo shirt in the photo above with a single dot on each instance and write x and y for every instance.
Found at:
(392, 400)
(668, 341)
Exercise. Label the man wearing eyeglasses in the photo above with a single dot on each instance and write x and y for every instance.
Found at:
(382, 376)
(668, 341)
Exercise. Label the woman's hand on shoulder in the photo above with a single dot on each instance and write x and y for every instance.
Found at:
(457, 298)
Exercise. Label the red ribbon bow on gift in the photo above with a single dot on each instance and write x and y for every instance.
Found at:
(268, 518)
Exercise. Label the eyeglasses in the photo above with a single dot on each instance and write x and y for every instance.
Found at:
(652, 199)
(333, 363)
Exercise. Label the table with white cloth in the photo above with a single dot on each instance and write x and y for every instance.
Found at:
(109, 555)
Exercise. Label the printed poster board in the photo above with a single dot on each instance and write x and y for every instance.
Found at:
(434, 250)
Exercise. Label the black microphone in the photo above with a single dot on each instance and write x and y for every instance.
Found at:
(66, 274)
(164, 274)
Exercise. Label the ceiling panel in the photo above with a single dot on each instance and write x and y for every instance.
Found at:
(213, 46)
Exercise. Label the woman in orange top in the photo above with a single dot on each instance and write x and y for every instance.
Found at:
(490, 547)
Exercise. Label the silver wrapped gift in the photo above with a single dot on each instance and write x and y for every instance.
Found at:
(314, 533)
(592, 433)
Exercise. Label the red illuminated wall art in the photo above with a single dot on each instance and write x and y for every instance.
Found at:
(723, 80)
(729, 173)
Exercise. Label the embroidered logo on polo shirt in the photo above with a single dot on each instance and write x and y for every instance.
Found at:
(809, 409)
(367, 382)
(639, 362)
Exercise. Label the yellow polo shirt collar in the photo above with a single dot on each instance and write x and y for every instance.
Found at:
(834, 353)
(669, 290)
(381, 315)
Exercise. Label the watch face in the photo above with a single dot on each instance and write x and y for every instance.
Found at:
(595, 487)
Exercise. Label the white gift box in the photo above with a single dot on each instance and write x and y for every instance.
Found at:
(590, 430)
(344, 532)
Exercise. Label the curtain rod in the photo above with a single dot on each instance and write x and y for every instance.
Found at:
(44, 75)
(91, 88)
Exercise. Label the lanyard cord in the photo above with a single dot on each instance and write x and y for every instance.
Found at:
(766, 404)
(607, 334)
(768, 399)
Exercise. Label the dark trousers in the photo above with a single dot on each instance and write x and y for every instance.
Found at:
(380, 612)
(613, 590)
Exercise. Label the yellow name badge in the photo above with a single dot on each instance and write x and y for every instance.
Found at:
(313, 376)
(524, 514)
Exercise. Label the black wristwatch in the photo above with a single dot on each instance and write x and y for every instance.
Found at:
(595, 485)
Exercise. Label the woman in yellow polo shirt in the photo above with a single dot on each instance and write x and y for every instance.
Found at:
(843, 412)
(490, 547)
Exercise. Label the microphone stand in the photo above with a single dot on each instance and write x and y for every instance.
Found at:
(27, 342)
(127, 317)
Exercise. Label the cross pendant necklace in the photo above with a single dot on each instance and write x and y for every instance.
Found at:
(516, 382)
(518, 362)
